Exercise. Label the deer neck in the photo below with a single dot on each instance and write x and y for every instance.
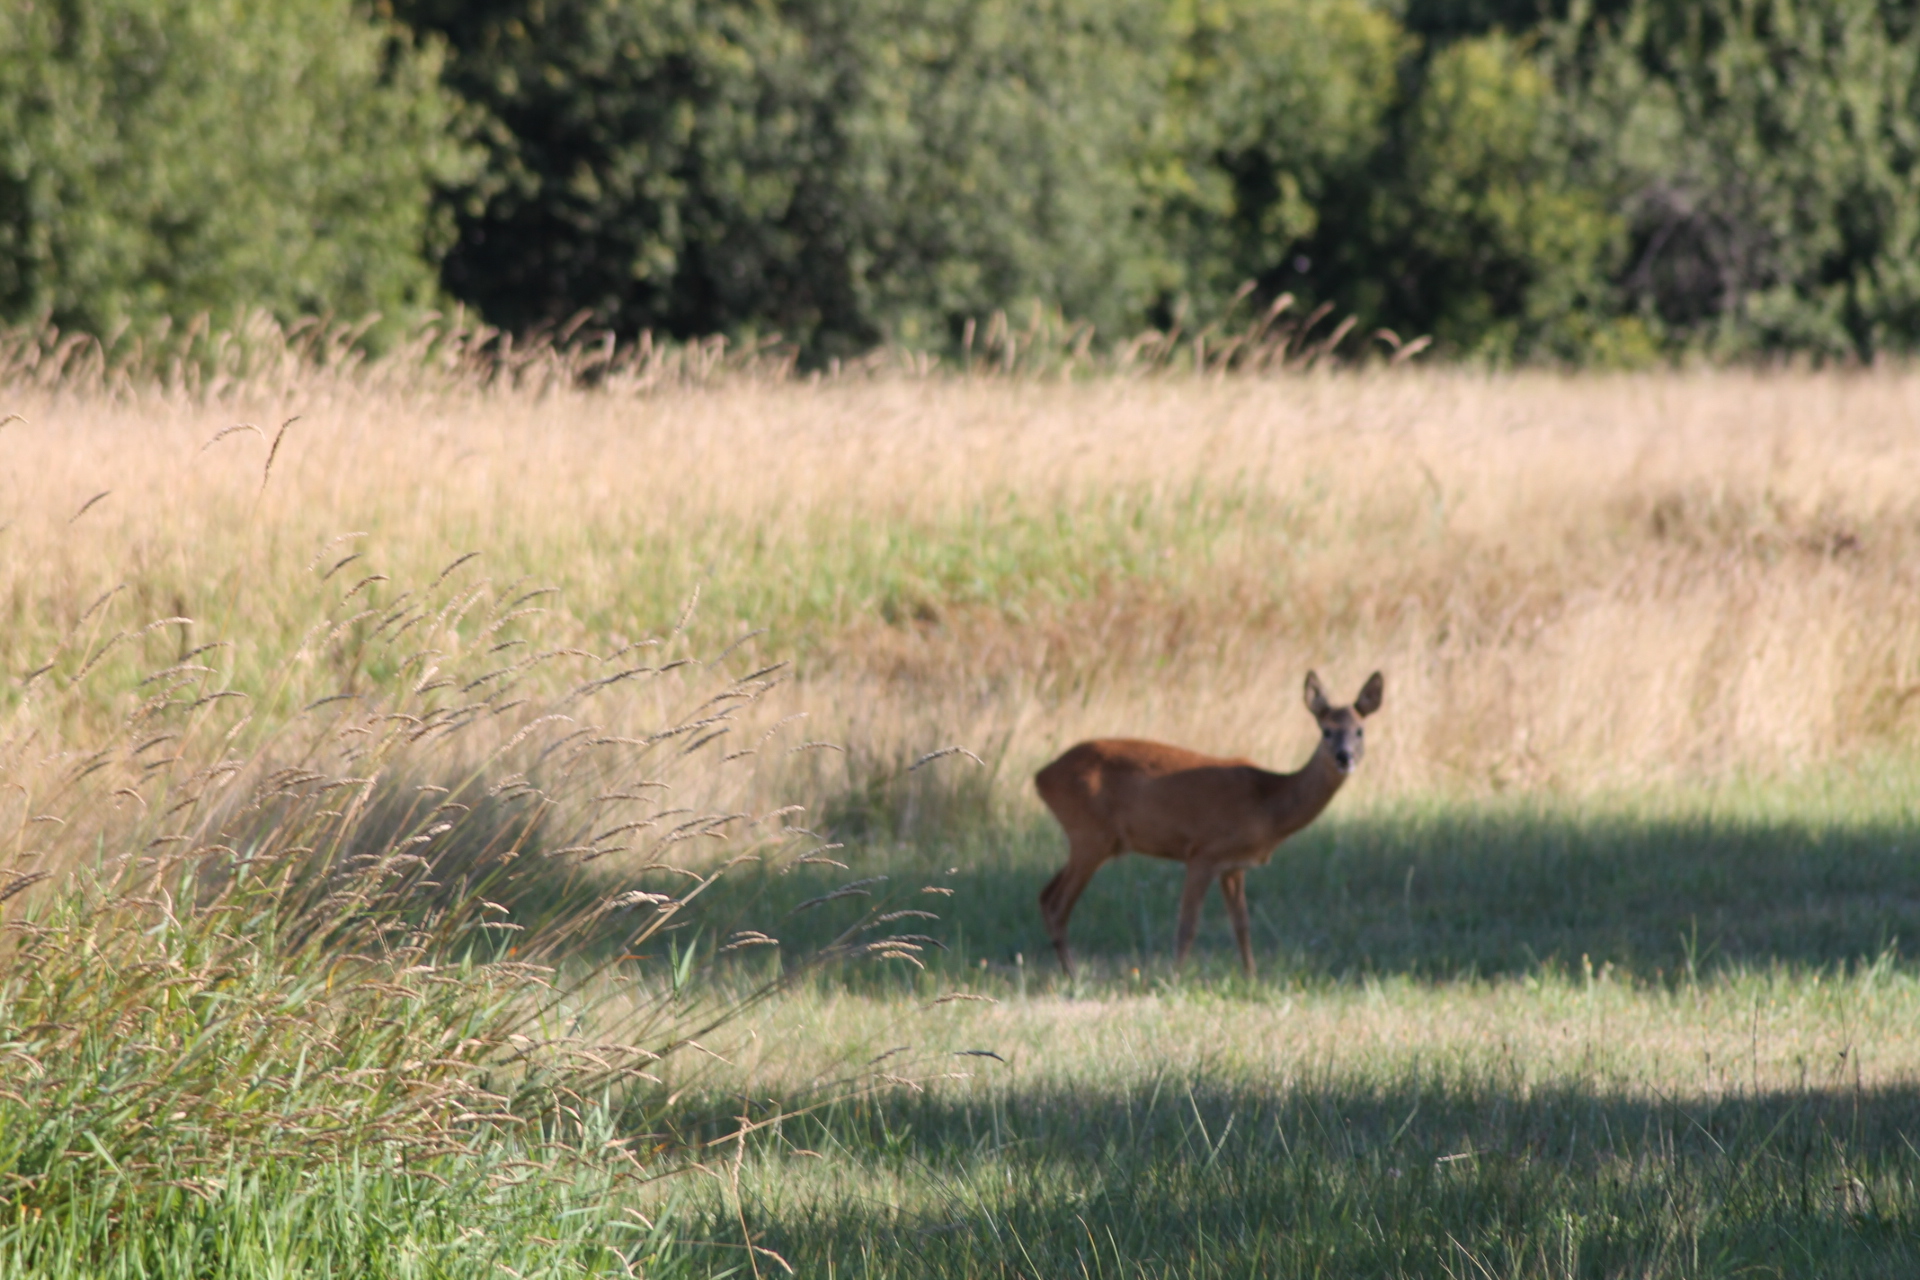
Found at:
(1295, 799)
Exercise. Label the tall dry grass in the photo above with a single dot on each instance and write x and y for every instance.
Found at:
(268, 961)
(1572, 582)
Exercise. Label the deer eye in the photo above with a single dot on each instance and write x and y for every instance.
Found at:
(1359, 733)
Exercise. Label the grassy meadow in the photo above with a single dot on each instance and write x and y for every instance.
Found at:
(377, 907)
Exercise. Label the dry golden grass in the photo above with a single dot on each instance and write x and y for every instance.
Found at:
(1570, 581)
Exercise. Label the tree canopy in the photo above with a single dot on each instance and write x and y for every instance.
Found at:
(1558, 180)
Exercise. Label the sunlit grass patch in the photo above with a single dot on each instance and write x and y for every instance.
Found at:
(1550, 1125)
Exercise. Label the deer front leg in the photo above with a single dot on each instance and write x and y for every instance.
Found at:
(1057, 899)
(1192, 894)
(1056, 906)
(1233, 887)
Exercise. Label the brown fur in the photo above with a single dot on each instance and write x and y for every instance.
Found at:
(1218, 816)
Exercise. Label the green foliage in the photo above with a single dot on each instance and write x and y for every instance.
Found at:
(1597, 181)
(982, 159)
(1447, 19)
(1767, 156)
(1278, 101)
(1734, 178)
(161, 158)
(849, 172)
(1501, 249)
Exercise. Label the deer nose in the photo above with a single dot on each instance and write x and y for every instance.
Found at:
(1343, 758)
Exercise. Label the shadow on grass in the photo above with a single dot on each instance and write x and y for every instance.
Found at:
(1435, 894)
(1421, 1177)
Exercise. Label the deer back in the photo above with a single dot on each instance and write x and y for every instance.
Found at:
(1162, 800)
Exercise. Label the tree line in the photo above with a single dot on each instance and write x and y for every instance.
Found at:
(1568, 181)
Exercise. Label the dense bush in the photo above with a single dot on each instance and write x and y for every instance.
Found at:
(1475, 221)
(1282, 104)
(867, 169)
(160, 158)
(1567, 180)
(1520, 178)
(1763, 153)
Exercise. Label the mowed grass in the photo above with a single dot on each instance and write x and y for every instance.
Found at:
(1666, 1035)
(1754, 1124)
(1812, 872)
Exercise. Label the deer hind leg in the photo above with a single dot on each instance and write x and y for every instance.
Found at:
(1084, 856)
(1192, 894)
(1233, 887)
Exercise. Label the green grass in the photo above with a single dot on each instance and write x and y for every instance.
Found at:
(1658, 1033)
(815, 584)
(440, 1219)
(1414, 1172)
(1664, 1035)
(1808, 873)
(1670, 1035)
(1008, 555)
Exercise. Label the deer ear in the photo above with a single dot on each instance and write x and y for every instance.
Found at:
(1316, 696)
(1370, 694)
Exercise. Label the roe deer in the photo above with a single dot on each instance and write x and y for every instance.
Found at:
(1218, 816)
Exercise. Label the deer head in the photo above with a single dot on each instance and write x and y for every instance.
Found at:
(1342, 737)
